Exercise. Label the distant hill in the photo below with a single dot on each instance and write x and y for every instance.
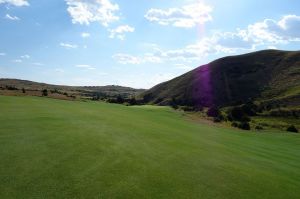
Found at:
(88, 91)
(269, 75)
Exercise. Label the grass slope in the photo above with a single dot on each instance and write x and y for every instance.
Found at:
(264, 75)
(63, 149)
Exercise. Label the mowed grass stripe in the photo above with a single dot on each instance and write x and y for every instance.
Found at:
(61, 149)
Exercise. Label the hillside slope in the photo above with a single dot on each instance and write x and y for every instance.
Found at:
(264, 75)
(110, 91)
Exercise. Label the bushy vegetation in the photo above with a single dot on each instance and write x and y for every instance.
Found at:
(12, 88)
(238, 114)
(45, 92)
(285, 112)
(292, 128)
(125, 101)
(213, 112)
(244, 126)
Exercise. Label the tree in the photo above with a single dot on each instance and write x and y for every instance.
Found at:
(213, 112)
(244, 126)
(132, 101)
(292, 128)
(173, 103)
(23, 90)
(238, 114)
(120, 99)
(45, 92)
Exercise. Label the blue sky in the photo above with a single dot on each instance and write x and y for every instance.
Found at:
(136, 43)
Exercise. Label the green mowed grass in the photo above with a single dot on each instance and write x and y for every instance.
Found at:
(61, 149)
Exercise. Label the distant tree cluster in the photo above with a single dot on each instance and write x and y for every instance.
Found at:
(12, 88)
(126, 101)
(45, 92)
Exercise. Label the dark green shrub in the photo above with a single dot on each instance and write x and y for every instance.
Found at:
(217, 119)
(249, 109)
(292, 128)
(120, 99)
(234, 124)
(12, 88)
(213, 112)
(285, 113)
(188, 108)
(132, 101)
(238, 114)
(173, 103)
(259, 128)
(174, 106)
(45, 92)
(244, 126)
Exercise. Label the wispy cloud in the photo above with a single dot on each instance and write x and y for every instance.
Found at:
(120, 31)
(85, 66)
(85, 35)
(2, 54)
(135, 60)
(25, 57)
(38, 64)
(127, 59)
(17, 61)
(88, 11)
(15, 2)
(68, 45)
(13, 18)
(187, 16)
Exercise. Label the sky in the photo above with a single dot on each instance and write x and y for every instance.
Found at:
(136, 43)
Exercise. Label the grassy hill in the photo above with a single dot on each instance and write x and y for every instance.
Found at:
(34, 88)
(70, 149)
(269, 75)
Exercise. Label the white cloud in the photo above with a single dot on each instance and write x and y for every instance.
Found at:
(68, 46)
(38, 64)
(85, 35)
(130, 59)
(15, 2)
(186, 17)
(13, 18)
(127, 59)
(88, 11)
(17, 61)
(25, 57)
(85, 66)
(270, 31)
(265, 34)
(120, 31)
(2, 54)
